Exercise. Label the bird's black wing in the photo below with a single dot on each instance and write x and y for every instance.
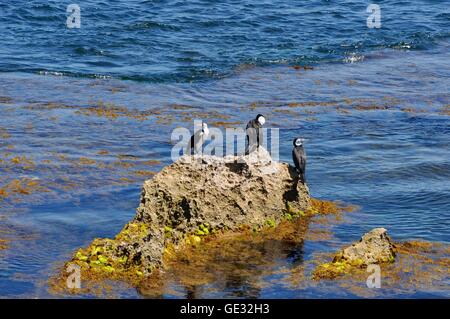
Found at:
(302, 159)
(295, 159)
(299, 158)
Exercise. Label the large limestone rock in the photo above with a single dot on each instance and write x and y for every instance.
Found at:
(192, 198)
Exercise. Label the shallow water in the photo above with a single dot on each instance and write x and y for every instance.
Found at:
(377, 133)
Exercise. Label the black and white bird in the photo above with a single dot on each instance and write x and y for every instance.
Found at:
(299, 158)
(254, 133)
(195, 144)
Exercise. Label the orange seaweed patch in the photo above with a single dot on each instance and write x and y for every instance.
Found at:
(317, 234)
(247, 254)
(205, 115)
(284, 111)
(106, 110)
(418, 247)
(371, 107)
(23, 186)
(23, 161)
(144, 173)
(180, 107)
(112, 112)
(3, 244)
(445, 110)
(126, 180)
(392, 99)
(304, 67)
(124, 164)
(86, 161)
(342, 111)
(348, 101)
(412, 110)
(311, 104)
(127, 156)
(330, 207)
(165, 119)
(225, 124)
(3, 192)
(151, 162)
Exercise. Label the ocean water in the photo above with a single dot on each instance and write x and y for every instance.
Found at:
(183, 41)
(86, 116)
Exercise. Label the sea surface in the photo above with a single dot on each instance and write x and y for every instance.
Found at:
(86, 115)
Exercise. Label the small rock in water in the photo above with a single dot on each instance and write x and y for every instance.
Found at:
(373, 248)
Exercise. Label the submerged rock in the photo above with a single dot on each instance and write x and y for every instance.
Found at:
(375, 247)
(192, 198)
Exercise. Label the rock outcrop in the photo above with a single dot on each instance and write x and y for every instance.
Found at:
(195, 197)
(375, 247)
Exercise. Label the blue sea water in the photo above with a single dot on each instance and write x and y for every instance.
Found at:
(375, 119)
(183, 41)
